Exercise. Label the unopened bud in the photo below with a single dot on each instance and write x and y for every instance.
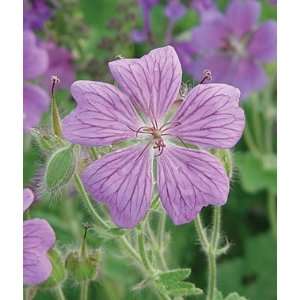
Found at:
(60, 168)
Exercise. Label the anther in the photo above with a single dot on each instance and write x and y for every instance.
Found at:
(207, 75)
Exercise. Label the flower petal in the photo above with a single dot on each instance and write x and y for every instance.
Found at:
(211, 34)
(35, 58)
(152, 81)
(242, 15)
(122, 180)
(263, 43)
(35, 103)
(38, 238)
(248, 76)
(189, 180)
(210, 116)
(28, 198)
(104, 115)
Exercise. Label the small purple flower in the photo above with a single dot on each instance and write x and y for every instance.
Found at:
(234, 47)
(187, 179)
(175, 10)
(36, 13)
(35, 64)
(38, 238)
(60, 65)
(142, 35)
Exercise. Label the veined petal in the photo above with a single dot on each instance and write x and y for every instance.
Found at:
(152, 81)
(122, 180)
(210, 116)
(242, 15)
(189, 180)
(104, 115)
(38, 238)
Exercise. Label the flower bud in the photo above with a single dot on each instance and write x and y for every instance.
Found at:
(60, 168)
(82, 264)
(83, 268)
(58, 270)
(46, 142)
(225, 156)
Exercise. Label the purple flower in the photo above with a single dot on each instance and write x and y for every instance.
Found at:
(60, 65)
(28, 198)
(35, 64)
(234, 47)
(187, 179)
(142, 35)
(36, 13)
(175, 10)
(38, 238)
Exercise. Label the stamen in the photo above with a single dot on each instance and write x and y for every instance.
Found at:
(207, 75)
(175, 124)
(141, 128)
(55, 80)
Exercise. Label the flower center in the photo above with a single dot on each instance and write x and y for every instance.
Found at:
(157, 134)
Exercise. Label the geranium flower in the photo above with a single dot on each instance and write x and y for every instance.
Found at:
(38, 238)
(187, 179)
(234, 46)
(35, 63)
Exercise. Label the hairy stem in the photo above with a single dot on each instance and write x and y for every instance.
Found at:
(201, 232)
(142, 250)
(59, 293)
(87, 201)
(84, 290)
(212, 258)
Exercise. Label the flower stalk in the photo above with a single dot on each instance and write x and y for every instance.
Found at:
(210, 248)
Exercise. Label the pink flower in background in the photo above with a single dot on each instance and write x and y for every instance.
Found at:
(187, 179)
(234, 46)
(41, 61)
(38, 238)
(60, 65)
(35, 63)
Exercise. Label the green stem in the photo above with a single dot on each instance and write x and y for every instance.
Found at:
(84, 290)
(93, 153)
(201, 232)
(87, 201)
(212, 258)
(142, 251)
(161, 229)
(250, 142)
(59, 293)
(272, 212)
(159, 249)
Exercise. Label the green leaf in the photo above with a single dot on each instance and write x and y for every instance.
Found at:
(171, 282)
(253, 275)
(255, 173)
(218, 295)
(235, 296)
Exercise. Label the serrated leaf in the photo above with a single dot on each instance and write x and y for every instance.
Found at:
(235, 296)
(174, 275)
(171, 282)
